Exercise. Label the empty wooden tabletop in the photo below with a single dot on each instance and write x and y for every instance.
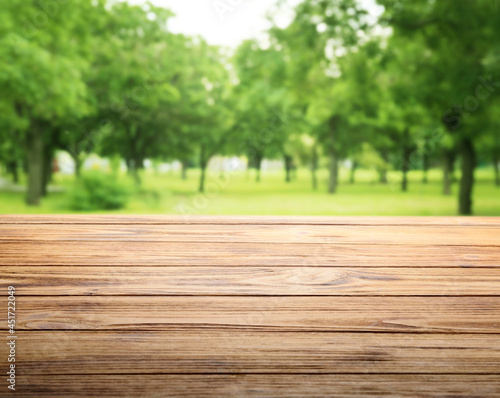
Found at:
(250, 306)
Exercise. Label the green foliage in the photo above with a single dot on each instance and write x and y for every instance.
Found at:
(369, 158)
(407, 87)
(262, 107)
(98, 191)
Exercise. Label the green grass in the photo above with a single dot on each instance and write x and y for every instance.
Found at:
(168, 194)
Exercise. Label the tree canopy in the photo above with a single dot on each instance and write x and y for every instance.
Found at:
(412, 86)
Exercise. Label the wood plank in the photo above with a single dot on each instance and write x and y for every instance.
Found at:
(332, 236)
(253, 220)
(136, 253)
(270, 281)
(254, 306)
(259, 386)
(383, 314)
(221, 351)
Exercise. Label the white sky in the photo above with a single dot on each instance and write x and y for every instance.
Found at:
(245, 19)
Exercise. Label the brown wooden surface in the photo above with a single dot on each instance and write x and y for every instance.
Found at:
(292, 313)
(221, 351)
(261, 386)
(118, 253)
(263, 281)
(253, 306)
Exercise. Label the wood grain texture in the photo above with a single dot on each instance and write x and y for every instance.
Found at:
(222, 351)
(324, 235)
(154, 254)
(260, 386)
(174, 306)
(333, 314)
(303, 281)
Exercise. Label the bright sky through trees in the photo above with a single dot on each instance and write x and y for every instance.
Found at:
(230, 26)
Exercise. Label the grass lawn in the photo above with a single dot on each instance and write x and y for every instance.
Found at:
(168, 194)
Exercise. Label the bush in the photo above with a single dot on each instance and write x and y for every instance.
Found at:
(97, 191)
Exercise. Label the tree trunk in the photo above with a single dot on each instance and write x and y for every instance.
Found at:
(496, 160)
(47, 173)
(383, 171)
(333, 170)
(448, 160)
(134, 167)
(35, 166)
(258, 166)
(12, 169)
(337, 168)
(131, 167)
(333, 167)
(79, 163)
(136, 161)
(405, 168)
(288, 168)
(425, 168)
(203, 167)
(382, 176)
(134, 170)
(78, 167)
(354, 166)
(314, 167)
(467, 181)
(184, 167)
(453, 158)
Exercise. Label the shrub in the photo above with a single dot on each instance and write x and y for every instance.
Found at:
(98, 191)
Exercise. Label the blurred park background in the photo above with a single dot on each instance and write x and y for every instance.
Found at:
(319, 107)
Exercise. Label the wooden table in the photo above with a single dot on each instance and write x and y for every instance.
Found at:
(252, 307)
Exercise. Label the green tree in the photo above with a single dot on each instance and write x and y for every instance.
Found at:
(457, 92)
(322, 35)
(204, 110)
(262, 105)
(42, 97)
(141, 79)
